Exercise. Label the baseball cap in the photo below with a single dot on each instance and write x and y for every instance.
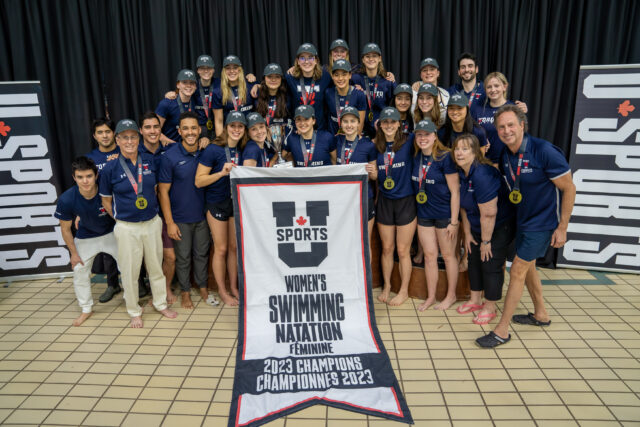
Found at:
(371, 47)
(231, 59)
(204, 61)
(341, 64)
(425, 125)
(186, 75)
(307, 48)
(429, 61)
(305, 111)
(459, 99)
(338, 43)
(272, 69)
(126, 124)
(389, 113)
(235, 117)
(254, 119)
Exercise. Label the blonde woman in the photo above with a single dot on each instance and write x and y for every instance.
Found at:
(233, 94)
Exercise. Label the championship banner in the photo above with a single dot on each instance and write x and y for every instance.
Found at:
(604, 231)
(30, 240)
(307, 331)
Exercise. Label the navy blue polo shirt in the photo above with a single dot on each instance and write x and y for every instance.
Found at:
(483, 184)
(477, 95)
(252, 151)
(244, 107)
(400, 170)
(114, 183)
(102, 158)
(380, 98)
(438, 205)
(157, 156)
(178, 168)
(315, 97)
(365, 152)
(325, 144)
(541, 162)
(170, 111)
(94, 219)
(483, 114)
(214, 157)
(356, 99)
(478, 131)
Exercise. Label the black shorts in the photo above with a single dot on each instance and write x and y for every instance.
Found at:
(437, 223)
(221, 211)
(371, 209)
(396, 211)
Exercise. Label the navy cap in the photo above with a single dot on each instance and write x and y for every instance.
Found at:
(371, 47)
(307, 48)
(350, 110)
(429, 61)
(402, 88)
(389, 113)
(305, 111)
(186, 75)
(205, 61)
(428, 88)
(235, 117)
(425, 125)
(341, 64)
(126, 124)
(272, 69)
(459, 99)
(231, 59)
(254, 119)
(338, 43)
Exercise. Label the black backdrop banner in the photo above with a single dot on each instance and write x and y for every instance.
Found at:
(129, 51)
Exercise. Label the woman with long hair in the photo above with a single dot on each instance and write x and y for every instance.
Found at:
(169, 110)
(273, 101)
(342, 95)
(430, 73)
(402, 101)
(310, 147)
(426, 105)
(233, 94)
(459, 121)
(257, 152)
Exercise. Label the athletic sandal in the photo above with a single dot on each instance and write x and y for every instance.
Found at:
(491, 340)
(483, 319)
(528, 319)
(468, 308)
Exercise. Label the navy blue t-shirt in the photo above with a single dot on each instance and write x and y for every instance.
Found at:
(214, 156)
(178, 168)
(438, 205)
(325, 144)
(476, 95)
(365, 152)
(244, 107)
(170, 111)
(478, 131)
(541, 162)
(262, 156)
(94, 219)
(315, 97)
(380, 98)
(400, 170)
(102, 158)
(356, 99)
(207, 104)
(483, 184)
(483, 114)
(114, 183)
(271, 116)
(407, 124)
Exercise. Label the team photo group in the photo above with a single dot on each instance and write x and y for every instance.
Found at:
(455, 166)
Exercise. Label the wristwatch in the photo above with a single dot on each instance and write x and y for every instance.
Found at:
(486, 242)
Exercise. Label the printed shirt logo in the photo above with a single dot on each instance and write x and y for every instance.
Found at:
(311, 229)
(102, 211)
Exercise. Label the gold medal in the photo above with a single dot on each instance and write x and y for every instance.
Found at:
(141, 203)
(421, 197)
(370, 116)
(389, 183)
(515, 196)
(210, 124)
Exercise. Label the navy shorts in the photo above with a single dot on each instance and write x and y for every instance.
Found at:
(396, 211)
(437, 223)
(371, 209)
(221, 211)
(531, 245)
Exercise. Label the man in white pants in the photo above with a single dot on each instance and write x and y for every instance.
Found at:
(128, 190)
(94, 234)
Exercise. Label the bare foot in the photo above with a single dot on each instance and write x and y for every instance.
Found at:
(136, 322)
(204, 294)
(426, 304)
(384, 295)
(445, 303)
(186, 300)
(399, 299)
(169, 314)
(171, 297)
(229, 300)
(80, 319)
(463, 265)
(234, 292)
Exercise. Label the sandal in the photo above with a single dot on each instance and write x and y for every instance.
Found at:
(491, 340)
(483, 319)
(468, 308)
(528, 319)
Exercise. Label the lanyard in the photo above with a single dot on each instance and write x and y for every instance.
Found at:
(271, 112)
(348, 150)
(424, 170)
(388, 160)
(346, 102)
(234, 98)
(308, 155)
(181, 105)
(473, 93)
(265, 157)
(206, 100)
(405, 126)
(516, 177)
(227, 152)
(371, 98)
(137, 186)
(307, 98)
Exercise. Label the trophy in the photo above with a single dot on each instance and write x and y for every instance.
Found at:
(279, 133)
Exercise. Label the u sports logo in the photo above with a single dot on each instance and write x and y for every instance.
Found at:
(290, 230)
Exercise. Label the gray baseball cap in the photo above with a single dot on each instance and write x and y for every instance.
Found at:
(235, 117)
(205, 61)
(231, 59)
(338, 43)
(429, 61)
(389, 113)
(305, 111)
(371, 47)
(307, 48)
(402, 88)
(350, 110)
(428, 88)
(126, 124)
(425, 125)
(254, 119)
(272, 69)
(341, 64)
(186, 75)
(459, 99)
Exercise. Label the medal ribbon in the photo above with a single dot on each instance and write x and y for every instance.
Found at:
(227, 152)
(307, 97)
(388, 161)
(370, 98)
(265, 158)
(348, 150)
(473, 93)
(516, 177)
(424, 170)
(271, 112)
(346, 102)
(137, 186)
(206, 100)
(181, 104)
(308, 155)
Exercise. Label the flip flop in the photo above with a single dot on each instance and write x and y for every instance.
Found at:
(528, 319)
(468, 308)
(491, 340)
(483, 319)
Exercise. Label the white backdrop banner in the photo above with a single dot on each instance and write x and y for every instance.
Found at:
(307, 332)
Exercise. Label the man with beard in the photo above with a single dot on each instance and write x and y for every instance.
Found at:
(470, 85)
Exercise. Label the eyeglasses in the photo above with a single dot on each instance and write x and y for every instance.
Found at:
(309, 59)
(131, 138)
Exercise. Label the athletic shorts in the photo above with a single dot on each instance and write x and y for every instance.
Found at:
(221, 211)
(437, 223)
(371, 209)
(167, 242)
(396, 211)
(531, 245)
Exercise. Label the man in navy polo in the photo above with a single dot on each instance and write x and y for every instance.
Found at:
(469, 83)
(95, 230)
(128, 190)
(535, 171)
(182, 205)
